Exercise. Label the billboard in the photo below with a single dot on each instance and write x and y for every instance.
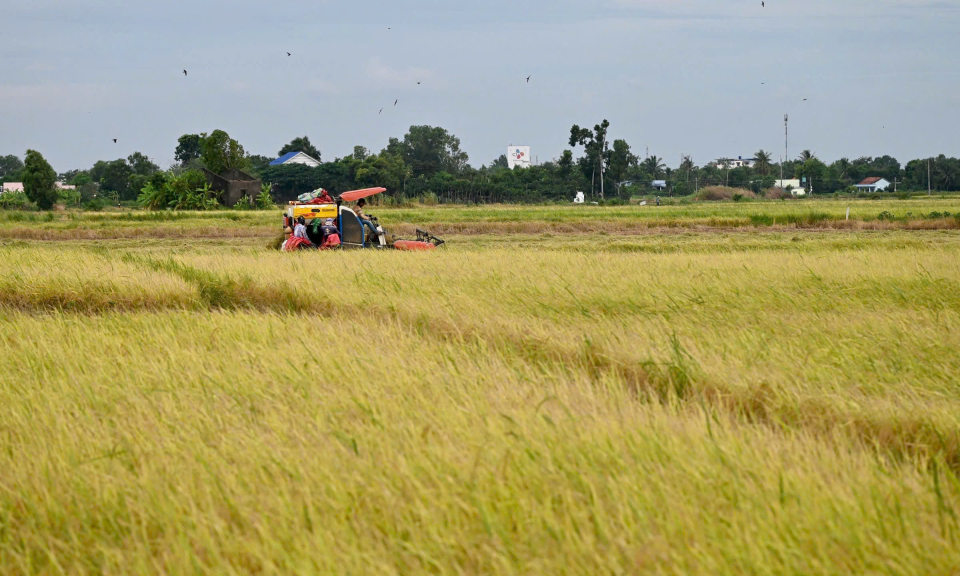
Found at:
(518, 156)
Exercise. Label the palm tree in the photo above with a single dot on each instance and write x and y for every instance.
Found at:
(654, 166)
(842, 166)
(687, 166)
(807, 155)
(763, 162)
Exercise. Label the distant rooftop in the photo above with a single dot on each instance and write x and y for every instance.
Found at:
(284, 158)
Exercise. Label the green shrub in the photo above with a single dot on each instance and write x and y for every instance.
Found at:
(265, 199)
(14, 201)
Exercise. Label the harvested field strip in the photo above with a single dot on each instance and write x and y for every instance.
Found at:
(408, 230)
(138, 232)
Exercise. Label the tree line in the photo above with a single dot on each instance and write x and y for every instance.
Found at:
(428, 164)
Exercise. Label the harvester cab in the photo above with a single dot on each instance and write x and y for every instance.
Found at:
(353, 233)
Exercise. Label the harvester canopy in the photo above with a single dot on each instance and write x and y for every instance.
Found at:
(355, 195)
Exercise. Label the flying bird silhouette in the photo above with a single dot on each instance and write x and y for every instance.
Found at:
(395, 101)
(528, 78)
(418, 83)
(288, 54)
(114, 140)
(763, 4)
(380, 112)
(184, 72)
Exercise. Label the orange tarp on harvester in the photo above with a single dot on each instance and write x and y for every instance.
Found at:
(358, 194)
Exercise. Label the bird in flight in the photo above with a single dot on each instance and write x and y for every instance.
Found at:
(184, 72)
(380, 112)
(804, 99)
(418, 83)
(763, 4)
(528, 78)
(288, 54)
(114, 140)
(395, 101)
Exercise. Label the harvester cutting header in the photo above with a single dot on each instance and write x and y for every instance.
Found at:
(318, 221)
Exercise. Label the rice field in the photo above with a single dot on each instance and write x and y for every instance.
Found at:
(749, 399)
(919, 213)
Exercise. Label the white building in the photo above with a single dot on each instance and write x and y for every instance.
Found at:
(739, 162)
(793, 185)
(873, 185)
(18, 187)
(296, 158)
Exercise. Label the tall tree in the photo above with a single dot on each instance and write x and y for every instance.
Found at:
(141, 164)
(114, 176)
(301, 144)
(221, 153)
(10, 166)
(565, 164)
(763, 162)
(806, 155)
(595, 146)
(842, 168)
(653, 166)
(428, 150)
(258, 163)
(621, 160)
(189, 147)
(39, 180)
(501, 162)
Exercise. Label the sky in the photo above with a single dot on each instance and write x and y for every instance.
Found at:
(708, 78)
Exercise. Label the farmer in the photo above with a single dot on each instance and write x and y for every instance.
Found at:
(331, 236)
(300, 230)
(658, 200)
(364, 219)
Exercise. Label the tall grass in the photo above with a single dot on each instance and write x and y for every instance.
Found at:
(230, 442)
(725, 404)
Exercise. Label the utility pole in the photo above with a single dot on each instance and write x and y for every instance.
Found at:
(781, 172)
(928, 176)
(603, 148)
(786, 138)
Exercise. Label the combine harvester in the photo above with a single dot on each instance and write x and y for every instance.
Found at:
(353, 234)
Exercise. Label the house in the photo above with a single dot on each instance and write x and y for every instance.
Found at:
(18, 187)
(873, 185)
(739, 162)
(296, 158)
(233, 185)
(659, 184)
(793, 185)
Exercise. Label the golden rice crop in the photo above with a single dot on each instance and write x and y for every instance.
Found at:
(677, 404)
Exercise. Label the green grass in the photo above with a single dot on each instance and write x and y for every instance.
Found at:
(680, 402)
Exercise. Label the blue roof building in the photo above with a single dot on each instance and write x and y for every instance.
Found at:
(296, 158)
